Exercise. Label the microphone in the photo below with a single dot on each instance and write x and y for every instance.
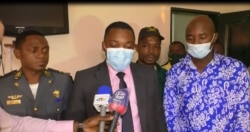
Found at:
(101, 102)
(118, 104)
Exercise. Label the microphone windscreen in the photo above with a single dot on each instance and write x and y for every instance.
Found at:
(102, 97)
(119, 101)
(104, 89)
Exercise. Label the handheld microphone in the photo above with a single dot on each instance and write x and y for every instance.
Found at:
(118, 104)
(101, 102)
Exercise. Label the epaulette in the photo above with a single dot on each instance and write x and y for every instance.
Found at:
(9, 73)
(46, 73)
(67, 73)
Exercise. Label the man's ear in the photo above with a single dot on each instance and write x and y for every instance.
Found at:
(17, 53)
(136, 47)
(103, 47)
(216, 35)
(1, 30)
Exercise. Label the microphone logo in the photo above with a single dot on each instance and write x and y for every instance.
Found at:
(102, 98)
(119, 101)
(120, 95)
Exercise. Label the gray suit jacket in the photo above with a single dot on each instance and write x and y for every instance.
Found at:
(150, 105)
(16, 97)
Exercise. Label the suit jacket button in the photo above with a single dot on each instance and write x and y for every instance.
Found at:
(35, 109)
(16, 84)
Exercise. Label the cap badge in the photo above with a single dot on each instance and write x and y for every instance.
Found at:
(152, 29)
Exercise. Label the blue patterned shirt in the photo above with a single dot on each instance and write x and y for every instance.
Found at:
(216, 100)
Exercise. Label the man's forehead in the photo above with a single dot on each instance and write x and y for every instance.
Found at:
(202, 23)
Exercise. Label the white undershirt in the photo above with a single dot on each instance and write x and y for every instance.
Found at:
(33, 88)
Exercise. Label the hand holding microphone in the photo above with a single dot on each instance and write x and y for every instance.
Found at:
(118, 104)
(101, 103)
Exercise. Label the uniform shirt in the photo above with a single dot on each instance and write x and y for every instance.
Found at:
(132, 96)
(11, 123)
(215, 100)
(50, 100)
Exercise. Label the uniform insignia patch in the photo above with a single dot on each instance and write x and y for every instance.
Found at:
(18, 75)
(13, 102)
(56, 93)
(47, 73)
(14, 99)
(18, 96)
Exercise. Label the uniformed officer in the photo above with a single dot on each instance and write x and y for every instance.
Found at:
(34, 90)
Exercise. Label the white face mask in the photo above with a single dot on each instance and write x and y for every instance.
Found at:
(199, 50)
(119, 58)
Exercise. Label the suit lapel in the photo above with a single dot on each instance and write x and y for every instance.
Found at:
(23, 85)
(140, 89)
(44, 87)
(102, 75)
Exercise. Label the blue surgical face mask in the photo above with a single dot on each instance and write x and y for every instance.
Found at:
(119, 58)
(199, 51)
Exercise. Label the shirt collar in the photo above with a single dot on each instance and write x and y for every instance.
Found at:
(113, 72)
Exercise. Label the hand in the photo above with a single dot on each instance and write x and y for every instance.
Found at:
(92, 123)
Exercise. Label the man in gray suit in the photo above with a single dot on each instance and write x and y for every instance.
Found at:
(142, 83)
(34, 90)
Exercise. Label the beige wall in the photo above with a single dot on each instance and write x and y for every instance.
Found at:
(81, 48)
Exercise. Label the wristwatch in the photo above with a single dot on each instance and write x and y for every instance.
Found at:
(79, 127)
